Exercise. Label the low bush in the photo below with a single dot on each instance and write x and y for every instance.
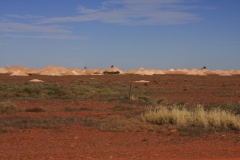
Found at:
(69, 109)
(35, 109)
(122, 108)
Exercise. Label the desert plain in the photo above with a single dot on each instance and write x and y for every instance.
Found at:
(59, 113)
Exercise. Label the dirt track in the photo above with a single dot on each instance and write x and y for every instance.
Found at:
(82, 142)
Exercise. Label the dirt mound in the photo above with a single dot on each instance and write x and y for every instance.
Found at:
(208, 72)
(179, 72)
(196, 73)
(14, 68)
(183, 70)
(90, 71)
(70, 73)
(80, 72)
(139, 72)
(159, 72)
(3, 71)
(148, 72)
(141, 69)
(131, 71)
(31, 70)
(52, 71)
(170, 71)
(235, 72)
(36, 80)
(19, 73)
(224, 73)
(98, 72)
(192, 73)
(142, 81)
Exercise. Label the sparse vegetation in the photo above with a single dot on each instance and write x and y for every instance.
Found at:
(125, 124)
(60, 91)
(216, 118)
(21, 123)
(124, 105)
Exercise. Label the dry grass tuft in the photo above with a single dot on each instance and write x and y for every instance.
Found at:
(215, 118)
(7, 107)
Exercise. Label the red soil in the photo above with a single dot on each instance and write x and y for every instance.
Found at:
(81, 142)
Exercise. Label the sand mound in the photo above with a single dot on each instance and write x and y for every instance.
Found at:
(14, 69)
(98, 72)
(159, 72)
(192, 73)
(224, 73)
(172, 71)
(201, 73)
(131, 71)
(142, 81)
(19, 73)
(3, 71)
(25, 70)
(52, 71)
(35, 80)
(90, 71)
(139, 72)
(80, 72)
(235, 72)
(141, 69)
(70, 73)
(179, 72)
(208, 72)
(148, 72)
(183, 70)
(196, 73)
(31, 70)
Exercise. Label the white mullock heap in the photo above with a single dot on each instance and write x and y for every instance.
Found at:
(61, 71)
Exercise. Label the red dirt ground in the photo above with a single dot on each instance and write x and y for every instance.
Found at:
(82, 142)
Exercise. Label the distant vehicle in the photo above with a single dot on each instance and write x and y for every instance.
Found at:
(111, 72)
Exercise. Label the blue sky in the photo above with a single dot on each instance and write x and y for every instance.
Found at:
(129, 34)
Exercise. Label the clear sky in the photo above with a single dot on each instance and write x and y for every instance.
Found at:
(129, 34)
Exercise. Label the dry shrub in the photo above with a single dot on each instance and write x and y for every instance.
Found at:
(7, 107)
(35, 109)
(69, 109)
(193, 117)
